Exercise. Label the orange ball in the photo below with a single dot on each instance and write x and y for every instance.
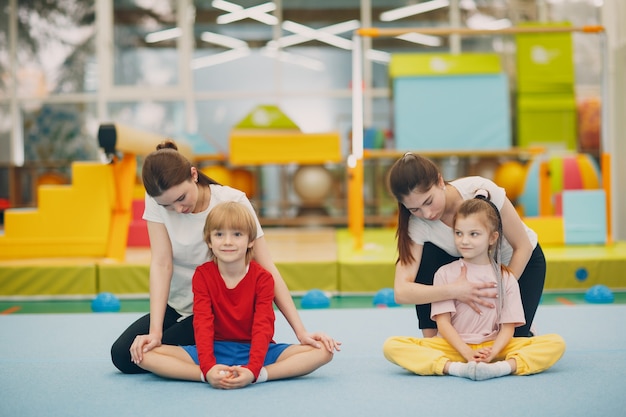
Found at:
(218, 173)
(244, 180)
(511, 176)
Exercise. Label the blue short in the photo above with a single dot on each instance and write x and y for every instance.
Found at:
(236, 353)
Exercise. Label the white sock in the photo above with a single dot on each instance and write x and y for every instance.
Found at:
(262, 376)
(462, 369)
(492, 370)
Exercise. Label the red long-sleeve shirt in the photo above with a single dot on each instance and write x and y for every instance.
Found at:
(242, 314)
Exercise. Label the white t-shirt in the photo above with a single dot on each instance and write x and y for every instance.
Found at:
(188, 246)
(471, 326)
(442, 236)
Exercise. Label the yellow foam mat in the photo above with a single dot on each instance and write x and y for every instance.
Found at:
(131, 277)
(371, 268)
(307, 258)
(578, 267)
(50, 277)
(258, 147)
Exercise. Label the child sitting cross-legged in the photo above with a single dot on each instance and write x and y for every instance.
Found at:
(233, 316)
(469, 344)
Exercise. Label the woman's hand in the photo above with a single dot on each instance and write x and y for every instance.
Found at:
(474, 293)
(319, 339)
(142, 344)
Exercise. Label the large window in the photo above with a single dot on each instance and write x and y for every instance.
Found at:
(194, 68)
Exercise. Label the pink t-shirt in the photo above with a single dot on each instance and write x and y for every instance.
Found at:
(473, 327)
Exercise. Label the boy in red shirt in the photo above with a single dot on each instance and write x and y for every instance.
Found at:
(233, 316)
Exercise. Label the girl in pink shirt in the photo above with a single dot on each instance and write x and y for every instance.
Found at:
(469, 344)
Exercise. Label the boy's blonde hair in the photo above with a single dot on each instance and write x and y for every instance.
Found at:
(231, 215)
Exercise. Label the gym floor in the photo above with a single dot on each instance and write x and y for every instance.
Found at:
(142, 305)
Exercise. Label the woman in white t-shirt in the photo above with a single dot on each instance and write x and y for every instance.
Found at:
(427, 205)
(178, 199)
(475, 345)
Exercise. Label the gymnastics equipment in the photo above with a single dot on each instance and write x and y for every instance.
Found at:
(584, 217)
(70, 220)
(239, 178)
(269, 146)
(122, 144)
(267, 136)
(599, 294)
(430, 89)
(312, 183)
(563, 200)
(546, 102)
(105, 302)
(89, 217)
(510, 175)
(547, 177)
(589, 120)
(355, 159)
(581, 274)
(385, 298)
(315, 299)
(137, 229)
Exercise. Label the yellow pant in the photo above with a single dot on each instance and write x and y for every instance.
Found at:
(427, 356)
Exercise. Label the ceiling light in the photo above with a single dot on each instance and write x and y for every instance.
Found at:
(221, 58)
(481, 21)
(223, 40)
(305, 34)
(237, 12)
(420, 38)
(308, 33)
(378, 56)
(290, 58)
(412, 10)
(163, 35)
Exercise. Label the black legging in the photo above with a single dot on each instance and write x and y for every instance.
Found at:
(530, 284)
(174, 333)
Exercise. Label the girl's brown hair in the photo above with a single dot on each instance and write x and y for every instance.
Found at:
(166, 168)
(234, 216)
(410, 173)
(491, 219)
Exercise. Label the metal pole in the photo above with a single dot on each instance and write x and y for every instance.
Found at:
(355, 159)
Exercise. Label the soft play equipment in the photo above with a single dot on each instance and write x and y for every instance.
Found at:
(268, 136)
(599, 294)
(589, 123)
(315, 299)
(105, 302)
(70, 220)
(584, 217)
(510, 175)
(312, 183)
(547, 178)
(546, 104)
(90, 216)
(385, 297)
(137, 229)
(239, 178)
(450, 102)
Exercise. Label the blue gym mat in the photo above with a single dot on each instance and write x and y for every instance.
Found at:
(58, 365)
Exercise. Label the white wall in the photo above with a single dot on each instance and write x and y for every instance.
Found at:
(613, 18)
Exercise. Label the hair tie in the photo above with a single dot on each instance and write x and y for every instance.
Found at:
(482, 194)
